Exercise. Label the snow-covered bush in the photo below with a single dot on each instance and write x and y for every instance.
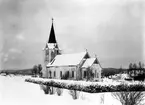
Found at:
(90, 87)
(74, 94)
(82, 95)
(59, 91)
(45, 88)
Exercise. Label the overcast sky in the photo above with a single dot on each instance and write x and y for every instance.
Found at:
(114, 30)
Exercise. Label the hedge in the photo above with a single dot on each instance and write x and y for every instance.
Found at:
(90, 87)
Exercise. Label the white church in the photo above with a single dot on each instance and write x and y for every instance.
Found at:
(57, 64)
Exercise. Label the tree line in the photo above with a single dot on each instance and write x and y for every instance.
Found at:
(134, 69)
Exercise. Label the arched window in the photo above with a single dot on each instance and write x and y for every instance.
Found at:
(95, 73)
(68, 73)
(72, 74)
(54, 74)
(50, 74)
(60, 74)
(85, 74)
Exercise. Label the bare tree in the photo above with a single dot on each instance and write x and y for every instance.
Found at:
(141, 66)
(135, 69)
(35, 70)
(40, 70)
(129, 98)
(130, 66)
(74, 94)
(59, 91)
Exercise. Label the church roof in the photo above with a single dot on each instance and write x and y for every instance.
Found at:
(89, 62)
(67, 59)
(52, 38)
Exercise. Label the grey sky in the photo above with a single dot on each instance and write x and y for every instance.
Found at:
(111, 29)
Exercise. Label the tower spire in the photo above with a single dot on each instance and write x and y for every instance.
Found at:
(52, 38)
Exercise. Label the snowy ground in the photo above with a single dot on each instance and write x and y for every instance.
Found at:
(14, 91)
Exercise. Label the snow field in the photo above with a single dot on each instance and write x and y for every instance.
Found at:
(14, 91)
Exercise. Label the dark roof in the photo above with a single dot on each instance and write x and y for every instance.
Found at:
(52, 38)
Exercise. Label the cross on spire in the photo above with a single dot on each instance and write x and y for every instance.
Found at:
(52, 20)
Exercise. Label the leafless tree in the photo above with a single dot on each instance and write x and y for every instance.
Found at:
(129, 98)
(74, 94)
(40, 70)
(35, 70)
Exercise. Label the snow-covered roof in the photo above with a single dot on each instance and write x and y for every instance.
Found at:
(89, 62)
(67, 59)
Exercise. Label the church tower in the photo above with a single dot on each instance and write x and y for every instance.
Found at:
(51, 48)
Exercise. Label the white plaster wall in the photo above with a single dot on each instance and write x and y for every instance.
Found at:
(98, 69)
(44, 63)
(63, 69)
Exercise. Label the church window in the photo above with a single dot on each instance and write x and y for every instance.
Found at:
(50, 74)
(61, 74)
(54, 73)
(85, 74)
(72, 73)
(95, 73)
(68, 73)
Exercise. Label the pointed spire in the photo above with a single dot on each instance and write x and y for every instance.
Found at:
(52, 38)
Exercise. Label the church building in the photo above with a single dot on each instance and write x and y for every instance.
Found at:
(75, 65)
